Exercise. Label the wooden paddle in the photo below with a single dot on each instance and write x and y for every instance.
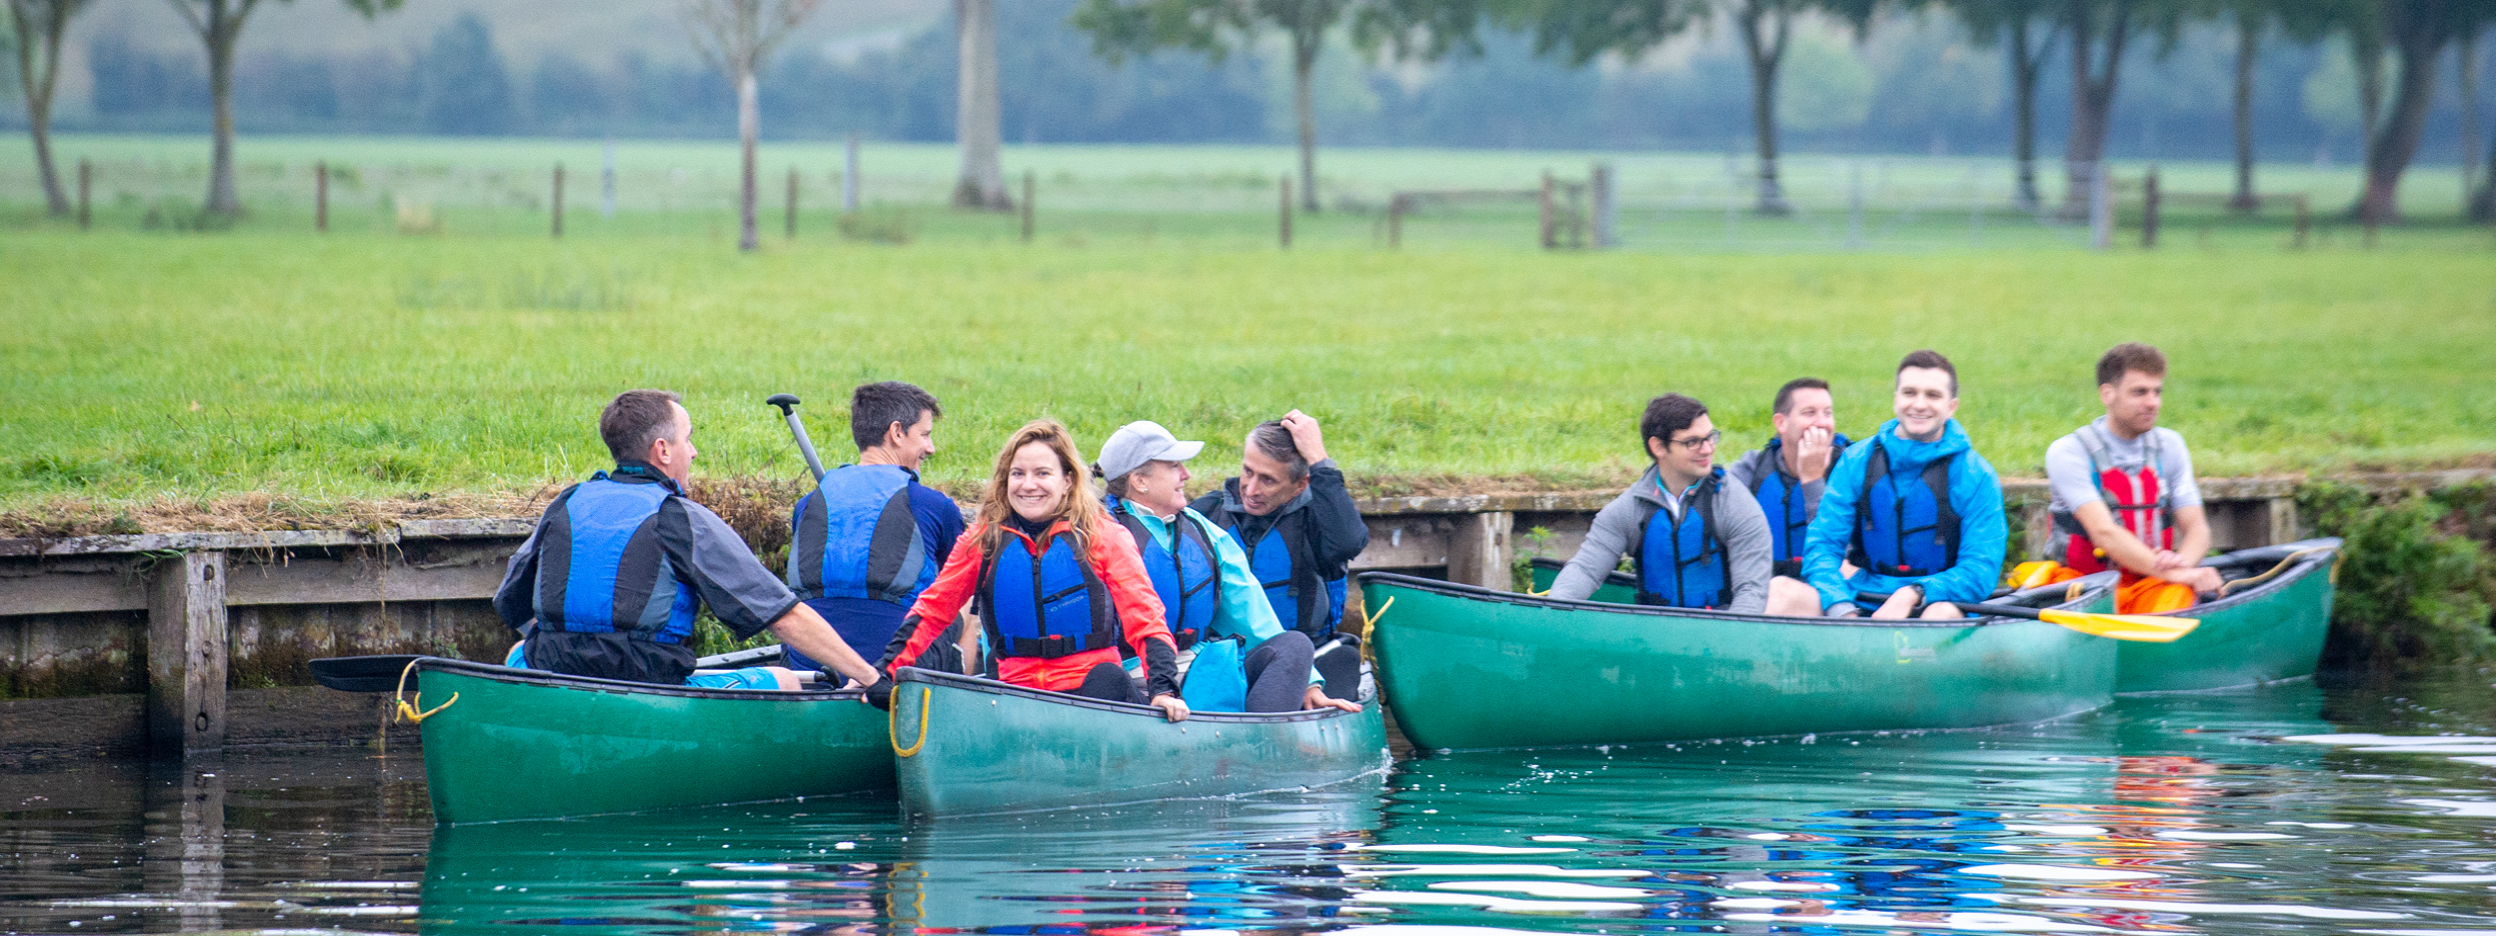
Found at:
(380, 673)
(2140, 627)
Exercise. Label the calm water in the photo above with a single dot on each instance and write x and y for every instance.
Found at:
(2172, 815)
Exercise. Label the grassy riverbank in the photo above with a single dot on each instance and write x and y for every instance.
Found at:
(143, 366)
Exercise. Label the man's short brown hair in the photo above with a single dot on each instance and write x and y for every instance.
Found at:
(2126, 357)
(1666, 415)
(1929, 358)
(636, 418)
(1785, 394)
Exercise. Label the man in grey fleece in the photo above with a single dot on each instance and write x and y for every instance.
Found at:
(1697, 541)
(1786, 478)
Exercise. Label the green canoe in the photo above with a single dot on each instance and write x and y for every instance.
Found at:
(964, 745)
(1469, 667)
(526, 744)
(2262, 631)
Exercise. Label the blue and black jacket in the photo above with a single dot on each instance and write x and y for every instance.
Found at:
(862, 546)
(1302, 552)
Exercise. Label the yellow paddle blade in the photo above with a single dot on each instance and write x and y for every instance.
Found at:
(2141, 627)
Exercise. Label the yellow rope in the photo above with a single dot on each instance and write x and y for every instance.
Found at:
(892, 724)
(408, 713)
(2275, 570)
(1372, 619)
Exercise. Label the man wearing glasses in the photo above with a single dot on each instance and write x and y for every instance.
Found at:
(1695, 541)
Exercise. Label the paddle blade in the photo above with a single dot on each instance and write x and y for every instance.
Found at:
(2140, 627)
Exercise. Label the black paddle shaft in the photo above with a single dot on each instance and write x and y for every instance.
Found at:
(1991, 610)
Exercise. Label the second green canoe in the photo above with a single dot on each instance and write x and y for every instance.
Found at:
(2269, 627)
(1468, 667)
(964, 745)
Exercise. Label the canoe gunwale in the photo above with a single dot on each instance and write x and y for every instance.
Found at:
(912, 674)
(513, 675)
(2287, 577)
(2096, 586)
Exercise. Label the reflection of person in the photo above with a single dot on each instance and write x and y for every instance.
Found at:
(607, 584)
(1698, 541)
(2124, 492)
(1289, 509)
(1786, 477)
(1914, 507)
(1207, 590)
(1060, 585)
(870, 537)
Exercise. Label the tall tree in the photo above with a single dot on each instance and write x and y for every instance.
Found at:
(1765, 27)
(736, 37)
(979, 114)
(1123, 27)
(2100, 32)
(38, 26)
(2251, 19)
(2015, 24)
(2419, 30)
(219, 26)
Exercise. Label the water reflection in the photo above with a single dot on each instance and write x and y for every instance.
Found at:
(2182, 814)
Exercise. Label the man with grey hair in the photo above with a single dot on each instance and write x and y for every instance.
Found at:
(1289, 509)
(608, 583)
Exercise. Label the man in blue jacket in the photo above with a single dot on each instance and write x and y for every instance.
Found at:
(871, 537)
(1916, 510)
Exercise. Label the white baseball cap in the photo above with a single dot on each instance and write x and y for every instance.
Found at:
(1142, 441)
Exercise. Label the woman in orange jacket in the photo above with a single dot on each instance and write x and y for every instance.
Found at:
(1060, 585)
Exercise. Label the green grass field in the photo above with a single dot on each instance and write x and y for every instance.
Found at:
(152, 366)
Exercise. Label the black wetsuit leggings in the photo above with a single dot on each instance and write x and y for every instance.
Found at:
(1278, 676)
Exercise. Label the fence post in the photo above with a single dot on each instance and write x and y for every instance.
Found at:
(1599, 185)
(2101, 207)
(558, 203)
(2305, 220)
(792, 210)
(186, 654)
(849, 176)
(1030, 188)
(1549, 234)
(1854, 205)
(606, 183)
(2149, 209)
(86, 175)
(1395, 221)
(320, 196)
(1286, 211)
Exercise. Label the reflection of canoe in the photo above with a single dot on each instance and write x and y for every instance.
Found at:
(525, 744)
(967, 745)
(2260, 632)
(1468, 667)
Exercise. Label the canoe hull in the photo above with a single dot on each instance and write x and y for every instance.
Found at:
(946, 732)
(1470, 668)
(520, 744)
(2268, 633)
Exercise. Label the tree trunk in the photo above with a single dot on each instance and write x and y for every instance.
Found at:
(2421, 34)
(224, 27)
(2024, 65)
(978, 124)
(2469, 67)
(1304, 49)
(1765, 55)
(749, 132)
(2367, 52)
(2248, 46)
(2092, 101)
(2483, 204)
(38, 81)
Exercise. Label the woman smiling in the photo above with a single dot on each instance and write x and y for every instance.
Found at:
(1060, 586)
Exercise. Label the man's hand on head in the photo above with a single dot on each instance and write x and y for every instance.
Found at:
(1306, 436)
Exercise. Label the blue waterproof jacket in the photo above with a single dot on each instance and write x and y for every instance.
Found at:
(1975, 495)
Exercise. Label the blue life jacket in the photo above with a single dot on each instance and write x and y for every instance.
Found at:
(1282, 563)
(601, 569)
(1050, 605)
(1905, 530)
(1189, 582)
(855, 537)
(1780, 497)
(1681, 564)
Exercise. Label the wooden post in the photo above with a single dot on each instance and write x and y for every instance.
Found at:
(2305, 220)
(320, 196)
(1030, 188)
(1599, 185)
(2366, 216)
(1478, 549)
(1286, 209)
(1395, 221)
(2149, 209)
(186, 654)
(1549, 232)
(558, 201)
(849, 177)
(86, 175)
(792, 211)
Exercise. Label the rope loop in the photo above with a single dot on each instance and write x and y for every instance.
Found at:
(404, 712)
(892, 721)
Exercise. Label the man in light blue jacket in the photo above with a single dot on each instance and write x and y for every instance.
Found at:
(1913, 507)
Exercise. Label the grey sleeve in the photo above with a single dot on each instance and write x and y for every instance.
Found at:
(1615, 533)
(1748, 547)
(709, 555)
(2176, 468)
(516, 600)
(1746, 468)
(2068, 474)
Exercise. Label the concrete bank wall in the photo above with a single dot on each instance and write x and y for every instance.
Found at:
(189, 642)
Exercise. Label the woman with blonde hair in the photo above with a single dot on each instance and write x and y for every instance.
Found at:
(1060, 585)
